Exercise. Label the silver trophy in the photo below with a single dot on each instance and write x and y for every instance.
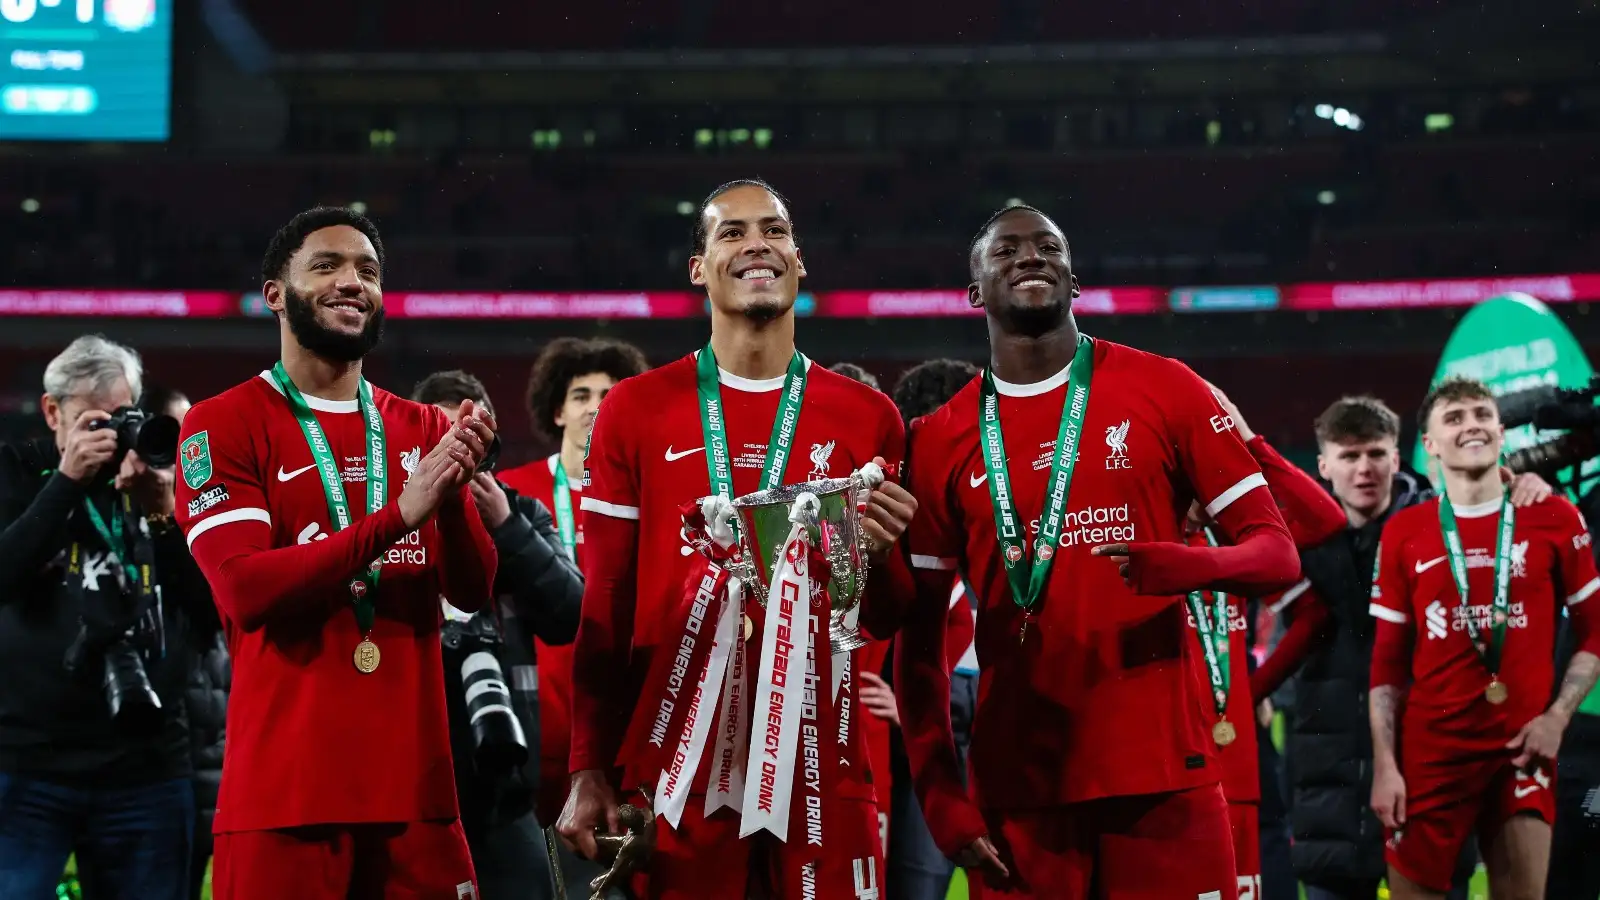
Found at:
(764, 524)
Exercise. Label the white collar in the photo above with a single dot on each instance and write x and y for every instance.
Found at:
(753, 385)
(1008, 389)
(1477, 510)
(317, 403)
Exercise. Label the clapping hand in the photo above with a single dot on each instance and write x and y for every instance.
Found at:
(449, 465)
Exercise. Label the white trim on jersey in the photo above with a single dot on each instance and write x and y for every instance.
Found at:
(1008, 389)
(1225, 499)
(1387, 614)
(1290, 596)
(932, 563)
(247, 514)
(1478, 510)
(614, 510)
(753, 385)
(553, 461)
(317, 403)
(1584, 592)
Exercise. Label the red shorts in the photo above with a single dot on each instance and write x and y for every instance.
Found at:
(1147, 847)
(1245, 819)
(704, 859)
(410, 861)
(1447, 801)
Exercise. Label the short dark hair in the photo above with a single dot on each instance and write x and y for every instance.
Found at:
(1450, 390)
(929, 385)
(292, 236)
(452, 386)
(856, 373)
(983, 232)
(697, 240)
(1356, 419)
(158, 397)
(564, 359)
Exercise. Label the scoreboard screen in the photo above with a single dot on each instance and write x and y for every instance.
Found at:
(85, 70)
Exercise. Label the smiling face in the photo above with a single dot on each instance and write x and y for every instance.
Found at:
(1022, 272)
(331, 294)
(1464, 433)
(750, 264)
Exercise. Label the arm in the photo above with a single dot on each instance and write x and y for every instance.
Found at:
(252, 582)
(1310, 512)
(890, 588)
(1392, 645)
(180, 577)
(539, 580)
(600, 706)
(33, 528)
(1309, 626)
(1579, 576)
(467, 570)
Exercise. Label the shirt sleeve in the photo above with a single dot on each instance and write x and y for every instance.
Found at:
(468, 555)
(935, 537)
(1312, 514)
(1308, 619)
(1216, 463)
(223, 511)
(602, 649)
(890, 589)
(1578, 576)
(1391, 584)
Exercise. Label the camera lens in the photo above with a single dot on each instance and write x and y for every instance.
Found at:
(498, 740)
(134, 704)
(156, 441)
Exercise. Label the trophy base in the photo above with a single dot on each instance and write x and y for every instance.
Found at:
(847, 643)
(844, 637)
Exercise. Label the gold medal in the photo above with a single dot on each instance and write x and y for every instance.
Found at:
(367, 657)
(749, 627)
(1223, 733)
(1496, 692)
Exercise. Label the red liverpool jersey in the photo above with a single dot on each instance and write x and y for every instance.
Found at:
(312, 740)
(646, 459)
(1551, 566)
(1104, 697)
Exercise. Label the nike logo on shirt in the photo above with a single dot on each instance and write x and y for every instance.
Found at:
(1425, 566)
(674, 457)
(1525, 790)
(287, 476)
(976, 479)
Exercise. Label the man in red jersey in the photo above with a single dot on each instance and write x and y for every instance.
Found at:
(329, 517)
(1467, 600)
(1093, 762)
(569, 378)
(722, 421)
(1312, 516)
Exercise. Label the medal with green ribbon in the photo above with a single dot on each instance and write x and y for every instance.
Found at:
(1028, 572)
(364, 585)
(1212, 627)
(565, 524)
(1489, 651)
(719, 463)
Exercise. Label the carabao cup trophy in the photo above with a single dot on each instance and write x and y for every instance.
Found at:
(765, 520)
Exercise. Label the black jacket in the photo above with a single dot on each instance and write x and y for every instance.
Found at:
(207, 699)
(1328, 748)
(539, 592)
(55, 723)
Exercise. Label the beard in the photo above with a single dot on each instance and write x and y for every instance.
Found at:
(301, 313)
(1037, 321)
(764, 310)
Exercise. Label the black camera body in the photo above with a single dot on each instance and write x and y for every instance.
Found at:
(1552, 408)
(499, 743)
(153, 437)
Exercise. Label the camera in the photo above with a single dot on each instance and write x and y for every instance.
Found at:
(1553, 408)
(499, 743)
(153, 437)
(134, 704)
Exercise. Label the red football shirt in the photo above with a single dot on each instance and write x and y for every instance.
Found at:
(537, 480)
(1103, 699)
(310, 739)
(646, 459)
(1550, 564)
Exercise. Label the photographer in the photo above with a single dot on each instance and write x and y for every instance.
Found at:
(98, 595)
(492, 685)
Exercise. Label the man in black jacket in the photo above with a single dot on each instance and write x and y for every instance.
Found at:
(98, 596)
(540, 592)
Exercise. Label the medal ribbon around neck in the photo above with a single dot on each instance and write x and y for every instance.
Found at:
(1489, 651)
(719, 465)
(364, 586)
(1029, 572)
(1212, 627)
